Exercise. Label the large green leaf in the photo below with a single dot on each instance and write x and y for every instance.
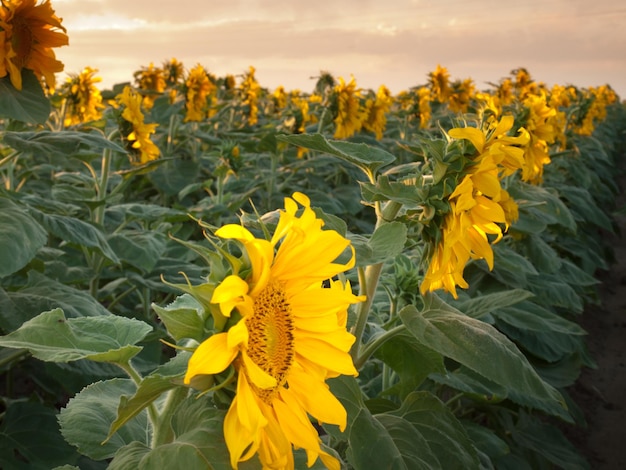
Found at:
(411, 361)
(30, 438)
(76, 231)
(42, 294)
(140, 249)
(445, 435)
(368, 158)
(52, 337)
(60, 144)
(482, 348)
(198, 442)
(28, 104)
(20, 237)
(391, 443)
(482, 305)
(86, 420)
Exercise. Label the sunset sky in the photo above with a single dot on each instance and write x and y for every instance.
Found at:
(392, 42)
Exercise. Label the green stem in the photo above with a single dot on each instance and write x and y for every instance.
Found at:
(162, 431)
(371, 347)
(368, 281)
(136, 377)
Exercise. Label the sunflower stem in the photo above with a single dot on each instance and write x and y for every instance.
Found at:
(162, 432)
(136, 377)
(368, 281)
(371, 347)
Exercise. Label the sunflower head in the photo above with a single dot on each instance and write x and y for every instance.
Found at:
(285, 334)
(28, 32)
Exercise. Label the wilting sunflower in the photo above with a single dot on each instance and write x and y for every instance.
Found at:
(350, 113)
(377, 110)
(151, 81)
(28, 32)
(198, 91)
(136, 133)
(290, 337)
(250, 91)
(479, 206)
(83, 101)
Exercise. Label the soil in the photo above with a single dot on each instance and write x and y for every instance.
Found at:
(601, 392)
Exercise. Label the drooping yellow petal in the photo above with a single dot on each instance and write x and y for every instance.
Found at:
(258, 376)
(211, 357)
(230, 293)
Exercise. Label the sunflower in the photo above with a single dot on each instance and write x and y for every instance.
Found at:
(28, 32)
(83, 99)
(350, 114)
(198, 94)
(289, 337)
(479, 206)
(136, 133)
(377, 110)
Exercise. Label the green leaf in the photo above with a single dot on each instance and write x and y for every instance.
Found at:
(60, 144)
(28, 104)
(198, 442)
(473, 385)
(183, 318)
(392, 443)
(547, 441)
(440, 428)
(52, 337)
(76, 231)
(412, 361)
(409, 195)
(543, 204)
(368, 158)
(31, 431)
(164, 378)
(42, 294)
(478, 307)
(485, 440)
(86, 419)
(20, 237)
(482, 348)
(386, 242)
(140, 249)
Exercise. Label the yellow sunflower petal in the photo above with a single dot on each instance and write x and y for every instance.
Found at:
(258, 376)
(211, 357)
(236, 232)
(316, 398)
(229, 294)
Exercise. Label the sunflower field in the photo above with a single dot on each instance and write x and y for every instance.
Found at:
(197, 272)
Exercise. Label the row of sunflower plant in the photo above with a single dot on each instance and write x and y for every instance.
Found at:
(199, 272)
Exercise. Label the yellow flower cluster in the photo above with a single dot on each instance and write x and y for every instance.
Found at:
(83, 101)
(478, 205)
(250, 90)
(142, 149)
(350, 115)
(541, 125)
(600, 98)
(377, 110)
(198, 94)
(28, 32)
(151, 81)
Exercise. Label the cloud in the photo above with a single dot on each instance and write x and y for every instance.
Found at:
(396, 43)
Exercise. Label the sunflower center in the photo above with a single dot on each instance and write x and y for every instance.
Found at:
(270, 341)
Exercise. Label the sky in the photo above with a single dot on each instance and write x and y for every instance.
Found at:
(392, 42)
